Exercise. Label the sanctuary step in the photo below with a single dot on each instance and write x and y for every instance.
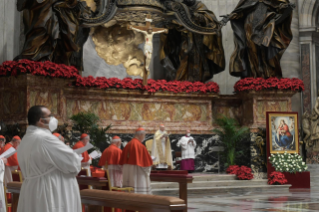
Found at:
(215, 184)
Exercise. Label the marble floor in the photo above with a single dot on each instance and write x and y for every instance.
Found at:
(304, 200)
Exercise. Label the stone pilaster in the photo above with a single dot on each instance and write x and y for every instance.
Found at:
(9, 30)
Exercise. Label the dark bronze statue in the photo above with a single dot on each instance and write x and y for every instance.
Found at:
(53, 32)
(262, 33)
(191, 56)
(56, 30)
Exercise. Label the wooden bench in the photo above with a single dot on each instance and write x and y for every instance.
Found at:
(14, 188)
(180, 177)
(130, 201)
(122, 200)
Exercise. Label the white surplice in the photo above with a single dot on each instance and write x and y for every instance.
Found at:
(49, 168)
(116, 175)
(2, 197)
(138, 178)
(188, 149)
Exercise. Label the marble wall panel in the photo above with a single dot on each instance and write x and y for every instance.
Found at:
(129, 112)
(206, 157)
(13, 104)
(264, 106)
(47, 98)
(229, 106)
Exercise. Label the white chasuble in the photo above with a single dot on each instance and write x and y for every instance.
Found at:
(161, 151)
(138, 178)
(2, 197)
(49, 168)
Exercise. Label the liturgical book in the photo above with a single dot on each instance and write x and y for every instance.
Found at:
(83, 149)
(8, 153)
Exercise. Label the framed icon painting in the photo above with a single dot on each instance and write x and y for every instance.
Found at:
(282, 132)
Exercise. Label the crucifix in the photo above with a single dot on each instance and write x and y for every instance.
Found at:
(148, 32)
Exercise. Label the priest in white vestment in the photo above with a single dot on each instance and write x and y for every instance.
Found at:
(161, 150)
(49, 167)
(188, 145)
(2, 197)
(137, 164)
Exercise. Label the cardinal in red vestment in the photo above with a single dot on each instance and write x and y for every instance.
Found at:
(84, 139)
(110, 159)
(12, 163)
(137, 164)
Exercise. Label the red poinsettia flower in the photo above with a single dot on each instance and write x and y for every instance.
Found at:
(259, 84)
(277, 178)
(244, 173)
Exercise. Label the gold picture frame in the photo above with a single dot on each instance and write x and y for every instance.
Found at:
(282, 132)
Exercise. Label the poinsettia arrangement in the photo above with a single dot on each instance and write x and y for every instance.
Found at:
(277, 178)
(288, 162)
(151, 87)
(244, 173)
(233, 169)
(47, 68)
(259, 84)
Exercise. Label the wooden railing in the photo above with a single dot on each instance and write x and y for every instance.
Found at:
(122, 200)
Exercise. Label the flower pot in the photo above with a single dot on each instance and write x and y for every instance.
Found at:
(298, 180)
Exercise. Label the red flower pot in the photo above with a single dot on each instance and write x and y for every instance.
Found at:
(298, 180)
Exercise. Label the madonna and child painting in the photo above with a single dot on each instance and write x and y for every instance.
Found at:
(283, 132)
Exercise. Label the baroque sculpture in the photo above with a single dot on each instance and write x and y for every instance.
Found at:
(262, 33)
(192, 49)
(57, 30)
(148, 32)
(310, 126)
(53, 32)
(189, 55)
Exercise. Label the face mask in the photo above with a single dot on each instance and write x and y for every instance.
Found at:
(53, 124)
(188, 134)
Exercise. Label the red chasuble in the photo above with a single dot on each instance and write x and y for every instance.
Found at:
(12, 160)
(135, 153)
(85, 154)
(112, 155)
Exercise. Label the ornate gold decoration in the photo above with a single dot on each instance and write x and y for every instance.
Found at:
(259, 143)
(117, 45)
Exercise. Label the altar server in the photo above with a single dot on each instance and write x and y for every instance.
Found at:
(49, 167)
(137, 164)
(84, 139)
(161, 149)
(188, 145)
(111, 161)
(12, 163)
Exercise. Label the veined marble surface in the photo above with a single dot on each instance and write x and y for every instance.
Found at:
(207, 157)
(295, 201)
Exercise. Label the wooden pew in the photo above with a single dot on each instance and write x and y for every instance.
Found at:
(14, 188)
(123, 200)
(130, 201)
(180, 177)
